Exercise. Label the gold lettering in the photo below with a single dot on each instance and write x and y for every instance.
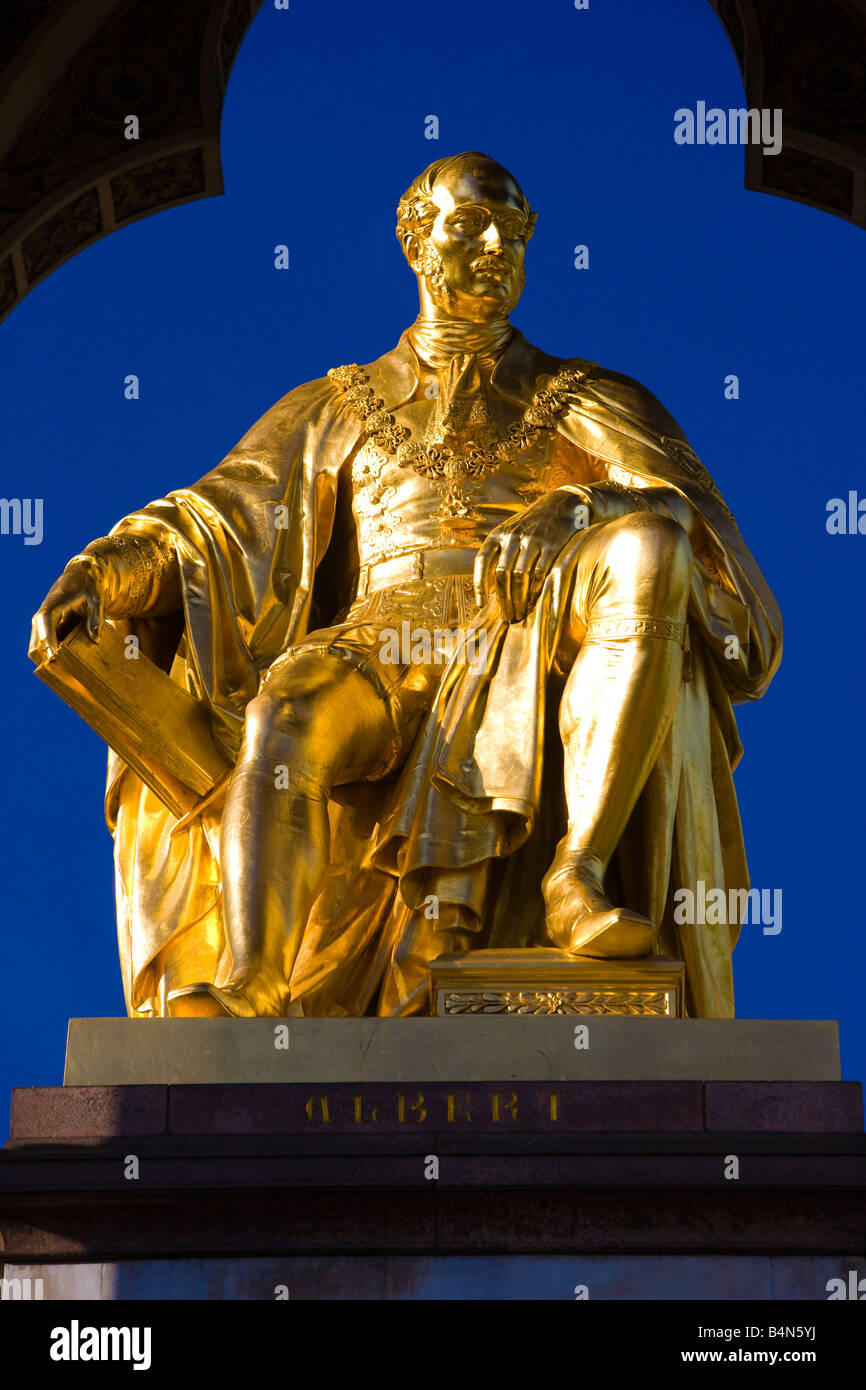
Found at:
(326, 1114)
(510, 1106)
(554, 1105)
(372, 1118)
(417, 1104)
(451, 1111)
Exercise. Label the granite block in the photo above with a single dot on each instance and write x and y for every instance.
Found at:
(809, 1107)
(599, 1106)
(47, 1113)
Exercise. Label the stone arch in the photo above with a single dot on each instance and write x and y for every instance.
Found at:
(70, 72)
(810, 60)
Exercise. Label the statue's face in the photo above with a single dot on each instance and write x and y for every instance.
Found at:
(473, 254)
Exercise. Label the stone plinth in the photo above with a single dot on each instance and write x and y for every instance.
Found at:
(121, 1051)
(438, 1158)
(435, 1189)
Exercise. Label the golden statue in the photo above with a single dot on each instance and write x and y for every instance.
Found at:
(467, 625)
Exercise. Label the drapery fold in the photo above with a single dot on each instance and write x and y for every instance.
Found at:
(262, 561)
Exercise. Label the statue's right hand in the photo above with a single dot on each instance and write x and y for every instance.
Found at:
(76, 596)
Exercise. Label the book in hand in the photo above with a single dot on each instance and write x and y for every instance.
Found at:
(160, 730)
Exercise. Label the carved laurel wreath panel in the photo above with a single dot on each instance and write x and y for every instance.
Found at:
(567, 1001)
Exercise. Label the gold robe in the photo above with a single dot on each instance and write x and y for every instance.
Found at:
(471, 818)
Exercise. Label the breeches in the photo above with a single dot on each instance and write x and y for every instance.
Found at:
(622, 578)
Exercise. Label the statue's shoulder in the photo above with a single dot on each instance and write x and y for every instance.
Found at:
(299, 403)
(307, 415)
(632, 402)
(309, 404)
(626, 395)
(311, 419)
(526, 363)
(638, 401)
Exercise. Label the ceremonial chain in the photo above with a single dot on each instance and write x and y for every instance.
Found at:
(457, 472)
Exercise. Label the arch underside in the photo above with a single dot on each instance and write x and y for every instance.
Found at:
(71, 71)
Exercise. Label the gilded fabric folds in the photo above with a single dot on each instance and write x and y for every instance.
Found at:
(469, 818)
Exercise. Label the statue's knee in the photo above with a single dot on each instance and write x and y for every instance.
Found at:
(644, 543)
(671, 551)
(274, 718)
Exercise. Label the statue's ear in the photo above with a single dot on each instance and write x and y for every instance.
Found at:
(413, 247)
(531, 221)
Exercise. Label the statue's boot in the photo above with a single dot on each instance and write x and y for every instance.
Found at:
(245, 995)
(195, 1001)
(617, 706)
(318, 723)
(582, 920)
(275, 856)
(273, 861)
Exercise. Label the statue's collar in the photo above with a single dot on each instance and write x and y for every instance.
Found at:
(396, 375)
(520, 364)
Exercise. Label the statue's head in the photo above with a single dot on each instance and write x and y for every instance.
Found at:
(463, 225)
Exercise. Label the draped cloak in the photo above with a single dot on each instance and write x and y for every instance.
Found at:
(473, 817)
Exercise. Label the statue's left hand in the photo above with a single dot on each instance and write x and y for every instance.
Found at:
(75, 597)
(521, 552)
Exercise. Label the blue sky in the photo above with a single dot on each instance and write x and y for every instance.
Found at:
(690, 278)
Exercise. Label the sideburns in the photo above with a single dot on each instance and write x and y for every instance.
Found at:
(430, 266)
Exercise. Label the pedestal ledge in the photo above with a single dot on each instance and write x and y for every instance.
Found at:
(483, 1048)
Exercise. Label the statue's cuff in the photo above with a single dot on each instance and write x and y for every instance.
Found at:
(129, 570)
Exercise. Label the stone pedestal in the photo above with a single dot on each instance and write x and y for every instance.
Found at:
(123, 1051)
(333, 1179)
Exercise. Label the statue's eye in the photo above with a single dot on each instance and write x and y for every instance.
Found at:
(467, 222)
